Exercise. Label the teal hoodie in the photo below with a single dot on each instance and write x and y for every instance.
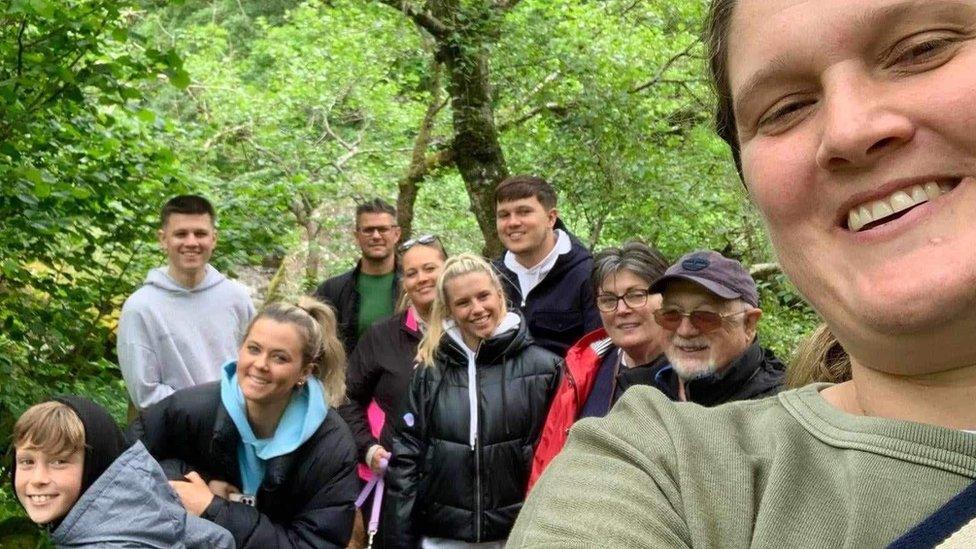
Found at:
(302, 417)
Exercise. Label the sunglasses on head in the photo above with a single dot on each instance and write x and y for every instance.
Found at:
(703, 321)
(423, 239)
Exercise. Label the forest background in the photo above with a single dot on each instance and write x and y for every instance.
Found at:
(287, 112)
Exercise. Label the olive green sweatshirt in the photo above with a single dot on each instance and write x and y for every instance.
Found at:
(785, 472)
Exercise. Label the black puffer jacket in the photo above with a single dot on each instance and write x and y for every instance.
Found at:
(437, 486)
(306, 499)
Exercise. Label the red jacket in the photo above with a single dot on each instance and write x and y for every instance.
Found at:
(582, 364)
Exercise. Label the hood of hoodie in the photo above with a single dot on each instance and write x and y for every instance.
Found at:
(302, 417)
(104, 441)
(131, 504)
(160, 278)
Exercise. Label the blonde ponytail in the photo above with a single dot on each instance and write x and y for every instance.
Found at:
(330, 359)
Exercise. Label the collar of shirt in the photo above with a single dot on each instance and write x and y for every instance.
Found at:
(531, 277)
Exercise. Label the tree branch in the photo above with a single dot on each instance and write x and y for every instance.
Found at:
(556, 108)
(209, 143)
(532, 93)
(20, 53)
(667, 65)
(421, 164)
(760, 271)
(423, 19)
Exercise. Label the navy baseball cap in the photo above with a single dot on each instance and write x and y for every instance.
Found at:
(724, 277)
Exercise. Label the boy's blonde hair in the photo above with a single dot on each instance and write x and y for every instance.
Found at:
(51, 427)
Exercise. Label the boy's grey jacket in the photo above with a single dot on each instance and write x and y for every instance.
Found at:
(133, 505)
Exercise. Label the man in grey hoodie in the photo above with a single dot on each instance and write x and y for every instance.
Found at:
(187, 319)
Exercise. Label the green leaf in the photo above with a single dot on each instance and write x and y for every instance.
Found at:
(44, 8)
(180, 78)
(146, 116)
(42, 189)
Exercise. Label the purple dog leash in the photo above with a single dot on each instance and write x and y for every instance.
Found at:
(374, 516)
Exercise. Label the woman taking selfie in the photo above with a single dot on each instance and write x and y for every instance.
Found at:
(260, 452)
(463, 446)
(852, 124)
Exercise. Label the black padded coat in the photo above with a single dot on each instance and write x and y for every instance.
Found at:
(306, 499)
(379, 369)
(437, 485)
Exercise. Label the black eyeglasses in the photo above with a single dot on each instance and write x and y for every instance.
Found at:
(423, 239)
(381, 230)
(635, 299)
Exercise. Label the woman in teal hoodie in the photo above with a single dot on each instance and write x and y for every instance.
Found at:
(260, 452)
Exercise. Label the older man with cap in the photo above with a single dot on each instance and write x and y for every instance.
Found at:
(709, 314)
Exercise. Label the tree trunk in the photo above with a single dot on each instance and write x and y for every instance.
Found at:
(314, 259)
(462, 32)
(477, 152)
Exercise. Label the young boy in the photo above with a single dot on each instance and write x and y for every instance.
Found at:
(73, 474)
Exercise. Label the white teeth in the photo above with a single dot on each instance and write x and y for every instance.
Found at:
(865, 215)
(901, 201)
(918, 194)
(897, 201)
(854, 219)
(39, 499)
(880, 209)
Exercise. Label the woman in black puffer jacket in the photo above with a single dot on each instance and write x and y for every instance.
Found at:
(261, 452)
(462, 449)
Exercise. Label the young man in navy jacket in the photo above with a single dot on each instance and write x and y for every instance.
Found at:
(545, 269)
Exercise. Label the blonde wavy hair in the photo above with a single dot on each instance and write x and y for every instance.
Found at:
(321, 348)
(440, 310)
(818, 357)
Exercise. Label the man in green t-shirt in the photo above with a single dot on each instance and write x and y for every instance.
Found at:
(369, 291)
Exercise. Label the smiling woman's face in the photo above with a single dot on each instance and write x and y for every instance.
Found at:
(421, 266)
(857, 126)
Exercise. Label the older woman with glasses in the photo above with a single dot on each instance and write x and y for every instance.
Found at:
(852, 123)
(626, 351)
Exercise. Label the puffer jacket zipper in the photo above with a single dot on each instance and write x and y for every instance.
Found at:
(477, 452)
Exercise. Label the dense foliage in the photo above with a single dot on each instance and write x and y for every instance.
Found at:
(82, 169)
(287, 112)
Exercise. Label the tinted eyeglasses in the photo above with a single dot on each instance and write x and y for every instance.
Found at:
(423, 239)
(635, 299)
(703, 321)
